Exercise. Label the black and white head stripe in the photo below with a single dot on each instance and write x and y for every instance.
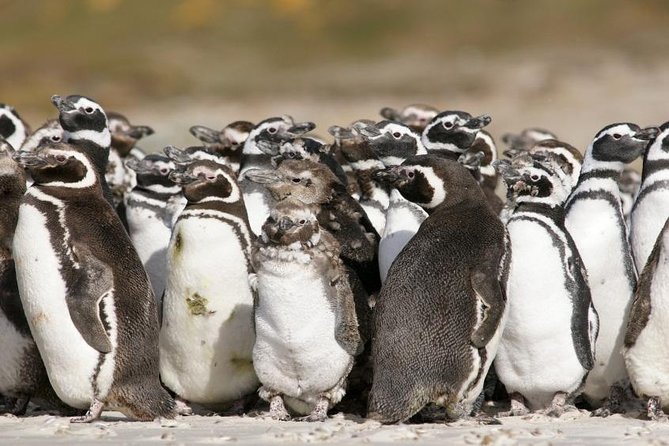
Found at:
(542, 181)
(59, 165)
(12, 128)
(274, 130)
(83, 119)
(659, 148)
(453, 131)
(394, 142)
(618, 144)
(203, 175)
(48, 133)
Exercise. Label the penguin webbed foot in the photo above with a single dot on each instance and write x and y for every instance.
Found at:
(93, 413)
(319, 413)
(558, 406)
(654, 410)
(518, 407)
(277, 410)
(16, 406)
(613, 404)
(181, 407)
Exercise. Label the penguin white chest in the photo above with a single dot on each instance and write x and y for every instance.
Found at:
(72, 364)
(647, 220)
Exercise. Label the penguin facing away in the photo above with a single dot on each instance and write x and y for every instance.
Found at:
(12, 127)
(595, 221)
(86, 297)
(547, 346)
(444, 286)
(207, 336)
(305, 319)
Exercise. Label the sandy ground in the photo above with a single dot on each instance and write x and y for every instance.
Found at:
(576, 427)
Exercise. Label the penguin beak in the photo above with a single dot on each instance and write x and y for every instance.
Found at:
(390, 114)
(6, 147)
(388, 176)
(366, 130)
(268, 147)
(62, 104)
(479, 122)
(262, 176)
(205, 134)
(285, 224)
(139, 131)
(300, 128)
(504, 168)
(29, 159)
(512, 153)
(341, 132)
(140, 167)
(177, 155)
(647, 134)
(181, 178)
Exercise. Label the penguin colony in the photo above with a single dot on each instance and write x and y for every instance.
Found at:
(380, 272)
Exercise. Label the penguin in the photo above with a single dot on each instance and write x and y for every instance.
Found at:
(651, 207)
(440, 313)
(547, 346)
(227, 142)
(452, 133)
(22, 375)
(312, 149)
(416, 116)
(87, 299)
(645, 343)
(124, 137)
(347, 138)
(50, 131)
(306, 328)
(207, 335)
(12, 127)
(595, 221)
(85, 125)
(150, 216)
(256, 198)
(484, 143)
(524, 141)
(629, 184)
(187, 155)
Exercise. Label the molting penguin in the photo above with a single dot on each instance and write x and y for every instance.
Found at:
(595, 221)
(416, 116)
(305, 319)
(524, 141)
(51, 131)
(445, 286)
(547, 346)
(87, 299)
(150, 216)
(207, 336)
(227, 142)
(12, 128)
(256, 197)
(651, 208)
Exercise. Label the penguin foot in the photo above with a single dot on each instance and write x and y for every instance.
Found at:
(277, 410)
(613, 404)
(93, 413)
(20, 405)
(182, 407)
(518, 407)
(320, 412)
(558, 406)
(654, 409)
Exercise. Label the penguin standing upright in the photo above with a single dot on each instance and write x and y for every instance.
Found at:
(150, 217)
(651, 207)
(86, 297)
(440, 313)
(227, 143)
(207, 336)
(595, 221)
(12, 128)
(305, 319)
(547, 346)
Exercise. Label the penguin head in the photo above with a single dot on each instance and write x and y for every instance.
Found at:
(524, 140)
(567, 157)
(537, 178)
(60, 165)
(622, 142)
(274, 130)
(416, 116)
(429, 180)
(310, 182)
(83, 119)
(225, 142)
(659, 147)
(207, 180)
(302, 148)
(453, 132)
(51, 131)
(12, 128)
(392, 142)
(153, 172)
(193, 153)
(353, 143)
(291, 223)
(124, 135)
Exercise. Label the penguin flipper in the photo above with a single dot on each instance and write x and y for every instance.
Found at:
(346, 331)
(95, 281)
(488, 291)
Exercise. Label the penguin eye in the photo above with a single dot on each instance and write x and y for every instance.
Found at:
(296, 180)
(448, 124)
(302, 222)
(55, 138)
(397, 135)
(211, 176)
(617, 136)
(61, 158)
(534, 177)
(164, 170)
(272, 130)
(234, 143)
(411, 174)
(88, 110)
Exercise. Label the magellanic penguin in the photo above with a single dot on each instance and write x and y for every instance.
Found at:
(12, 127)
(227, 142)
(150, 215)
(85, 126)
(547, 346)
(207, 336)
(305, 319)
(124, 137)
(22, 374)
(50, 131)
(441, 311)
(595, 221)
(257, 198)
(416, 116)
(346, 138)
(523, 141)
(629, 185)
(646, 346)
(651, 207)
(87, 299)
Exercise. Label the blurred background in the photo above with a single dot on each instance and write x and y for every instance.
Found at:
(568, 66)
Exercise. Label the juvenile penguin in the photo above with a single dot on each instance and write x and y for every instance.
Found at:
(440, 313)
(86, 297)
(416, 116)
(651, 207)
(257, 198)
(305, 319)
(523, 141)
(12, 128)
(150, 216)
(51, 131)
(547, 346)
(646, 339)
(227, 142)
(595, 221)
(207, 336)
